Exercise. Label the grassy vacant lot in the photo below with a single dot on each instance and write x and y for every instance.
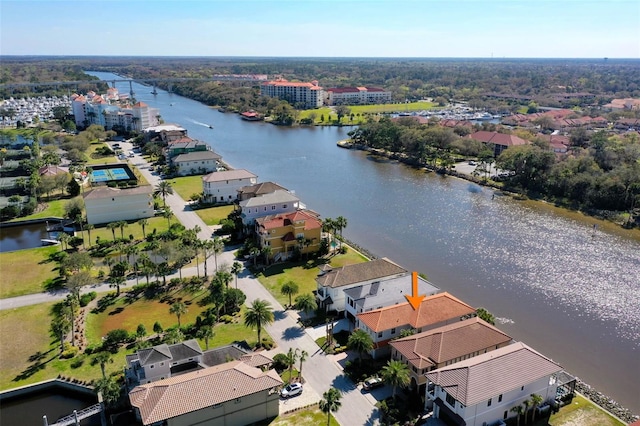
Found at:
(186, 186)
(95, 158)
(359, 110)
(582, 412)
(27, 271)
(307, 417)
(133, 228)
(213, 215)
(304, 274)
(54, 208)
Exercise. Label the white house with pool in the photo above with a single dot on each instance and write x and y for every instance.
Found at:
(104, 204)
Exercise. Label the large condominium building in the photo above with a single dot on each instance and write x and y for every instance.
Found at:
(112, 111)
(309, 94)
(357, 96)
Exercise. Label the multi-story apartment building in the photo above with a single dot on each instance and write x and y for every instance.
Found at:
(357, 96)
(112, 111)
(309, 94)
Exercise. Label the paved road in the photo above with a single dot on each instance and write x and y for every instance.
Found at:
(319, 370)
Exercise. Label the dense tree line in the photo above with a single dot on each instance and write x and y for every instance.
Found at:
(600, 172)
(549, 82)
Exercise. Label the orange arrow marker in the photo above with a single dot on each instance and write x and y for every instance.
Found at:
(414, 299)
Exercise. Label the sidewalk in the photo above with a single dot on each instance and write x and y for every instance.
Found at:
(319, 371)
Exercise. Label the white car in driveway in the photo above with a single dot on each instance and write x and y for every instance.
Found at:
(292, 389)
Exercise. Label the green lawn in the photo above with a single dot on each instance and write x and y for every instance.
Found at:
(27, 271)
(307, 417)
(133, 228)
(186, 186)
(359, 112)
(213, 215)
(303, 274)
(99, 159)
(584, 413)
(54, 208)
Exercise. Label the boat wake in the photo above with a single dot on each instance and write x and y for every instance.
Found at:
(500, 320)
(199, 123)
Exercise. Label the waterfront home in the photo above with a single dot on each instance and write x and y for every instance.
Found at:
(165, 133)
(162, 361)
(197, 162)
(276, 202)
(185, 145)
(232, 393)
(482, 390)
(223, 186)
(258, 189)
(442, 346)
(251, 116)
(385, 324)
(498, 142)
(289, 233)
(105, 204)
(384, 292)
(333, 282)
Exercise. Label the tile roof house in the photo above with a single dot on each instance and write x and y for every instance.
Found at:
(483, 389)
(442, 346)
(499, 141)
(299, 231)
(52, 170)
(277, 202)
(434, 311)
(197, 162)
(258, 189)
(233, 393)
(223, 186)
(332, 283)
(163, 361)
(386, 292)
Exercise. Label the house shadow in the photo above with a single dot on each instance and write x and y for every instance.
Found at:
(292, 333)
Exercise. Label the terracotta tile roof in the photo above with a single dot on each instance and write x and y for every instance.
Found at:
(497, 138)
(485, 376)
(200, 389)
(449, 342)
(432, 310)
(228, 175)
(184, 139)
(140, 105)
(256, 360)
(52, 170)
(283, 82)
(360, 272)
(311, 220)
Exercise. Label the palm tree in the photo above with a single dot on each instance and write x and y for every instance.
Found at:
(122, 224)
(103, 358)
(206, 332)
(306, 303)
(64, 238)
(178, 309)
(60, 326)
(258, 314)
(289, 289)
(167, 214)
(290, 360)
(536, 400)
(330, 402)
(340, 223)
(89, 227)
(266, 252)
(110, 390)
(163, 189)
(174, 336)
(71, 305)
(302, 357)
(360, 341)
(207, 246)
(254, 252)
(112, 226)
(116, 281)
(526, 404)
(236, 268)
(224, 277)
(143, 223)
(518, 410)
(396, 373)
(217, 245)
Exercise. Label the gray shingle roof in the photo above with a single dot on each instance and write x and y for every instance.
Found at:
(482, 377)
(360, 272)
(275, 197)
(228, 175)
(388, 292)
(178, 352)
(197, 156)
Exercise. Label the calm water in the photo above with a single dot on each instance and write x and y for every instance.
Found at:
(568, 292)
(22, 237)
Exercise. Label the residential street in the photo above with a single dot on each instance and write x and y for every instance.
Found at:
(319, 370)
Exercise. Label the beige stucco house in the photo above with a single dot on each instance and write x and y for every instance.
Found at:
(104, 204)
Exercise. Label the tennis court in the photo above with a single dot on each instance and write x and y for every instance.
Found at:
(106, 175)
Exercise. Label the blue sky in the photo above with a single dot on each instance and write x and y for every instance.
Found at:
(325, 28)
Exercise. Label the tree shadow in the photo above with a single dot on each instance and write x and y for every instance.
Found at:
(117, 310)
(53, 284)
(292, 333)
(33, 369)
(343, 384)
(278, 315)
